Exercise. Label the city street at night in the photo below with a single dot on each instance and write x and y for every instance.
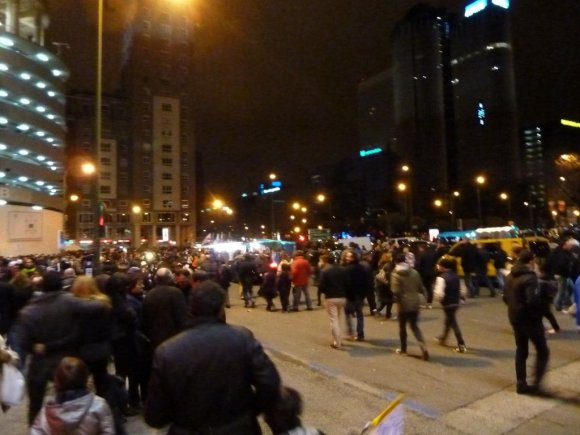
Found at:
(451, 394)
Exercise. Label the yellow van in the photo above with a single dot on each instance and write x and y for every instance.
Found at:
(538, 245)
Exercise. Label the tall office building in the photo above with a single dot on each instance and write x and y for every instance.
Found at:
(157, 82)
(486, 117)
(32, 132)
(420, 50)
(376, 139)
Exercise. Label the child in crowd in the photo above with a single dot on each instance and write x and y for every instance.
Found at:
(285, 418)
(74, 410)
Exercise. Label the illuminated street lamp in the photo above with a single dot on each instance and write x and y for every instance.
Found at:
(217, 204)
(272, 176)
(296, 206)
(505, 197)
(403, 188)
(479, 181)
(438, 203)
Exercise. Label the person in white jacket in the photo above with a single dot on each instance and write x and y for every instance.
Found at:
(75, 410)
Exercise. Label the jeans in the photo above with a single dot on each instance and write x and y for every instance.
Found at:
(562, 299)
(411, 317)
(334, 306)
(247, 291)
(297, 293)
(355, 308)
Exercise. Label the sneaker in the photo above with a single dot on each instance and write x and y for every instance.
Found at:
(360, 338)
(424, 353)
(334, 345)
(439, 341)
(552, 331)
(461, 349)
(400, 352)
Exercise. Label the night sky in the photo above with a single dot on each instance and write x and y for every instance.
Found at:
(275, 81)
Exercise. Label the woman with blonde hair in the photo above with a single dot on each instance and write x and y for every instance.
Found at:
(95, 334)
(85, 287)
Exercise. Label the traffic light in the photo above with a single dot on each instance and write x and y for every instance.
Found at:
(101, 218)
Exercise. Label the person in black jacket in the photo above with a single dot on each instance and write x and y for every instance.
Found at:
(332, 284)
(283, 285)
(48, 330)
(425, 265)
(468, 254)
(164, 310)
(447, 289)
(525, 315)
(358, 282)
(248, 274)
(212, 378)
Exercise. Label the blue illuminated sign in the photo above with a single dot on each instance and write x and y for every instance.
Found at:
(364, 153)
(273, 186)
(481, 113)
(480, 5)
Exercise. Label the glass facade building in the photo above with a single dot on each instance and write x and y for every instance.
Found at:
(32, 132)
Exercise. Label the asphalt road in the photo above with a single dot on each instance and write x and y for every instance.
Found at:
(472, 393)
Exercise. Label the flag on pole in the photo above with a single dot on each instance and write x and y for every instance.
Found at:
(391, 421)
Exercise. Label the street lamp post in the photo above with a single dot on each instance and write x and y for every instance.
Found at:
(403, 188)
(505, 197)
(98, 124)
(479, 181)
(452, 196)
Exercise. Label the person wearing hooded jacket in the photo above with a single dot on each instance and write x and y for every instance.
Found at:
(406, 285)
(525, 312)
(75, 410)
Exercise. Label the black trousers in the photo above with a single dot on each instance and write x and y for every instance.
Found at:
(451, 324)
(526, 331)
(412, 318)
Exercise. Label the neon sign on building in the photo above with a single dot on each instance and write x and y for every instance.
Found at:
(480, 5)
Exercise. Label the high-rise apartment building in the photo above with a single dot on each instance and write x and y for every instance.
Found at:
(147, 169)
(32, 132)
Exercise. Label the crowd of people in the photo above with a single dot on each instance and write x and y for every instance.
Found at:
(143, 316)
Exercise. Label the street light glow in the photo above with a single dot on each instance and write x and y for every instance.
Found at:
(437, 203)
(217, 204)
(480, 179)
(405, 168)
(88, 168)
(296, 206)
(504, 196)
(272, 176)
(402, 187)
(320, 197)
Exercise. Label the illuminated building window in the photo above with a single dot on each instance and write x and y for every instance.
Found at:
(481, 114)
(167, 190)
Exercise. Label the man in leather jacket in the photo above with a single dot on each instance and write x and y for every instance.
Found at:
(213, 378)
(525, 315)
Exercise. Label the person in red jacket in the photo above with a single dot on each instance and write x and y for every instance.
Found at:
(300, 278)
